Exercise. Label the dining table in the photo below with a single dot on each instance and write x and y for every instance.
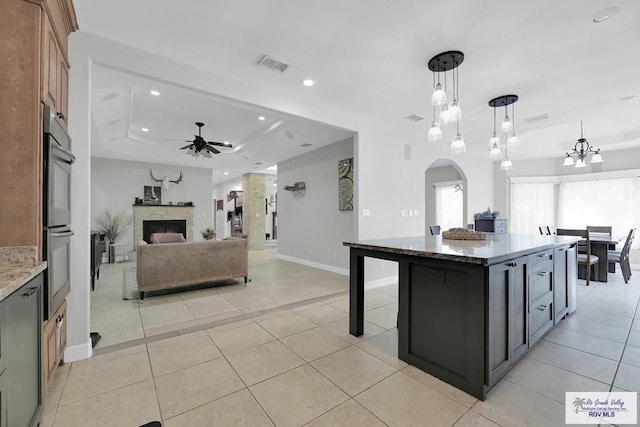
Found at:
(601, 243)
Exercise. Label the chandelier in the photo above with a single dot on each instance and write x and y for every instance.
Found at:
(580, 151)
(449, 112)
(511, 139)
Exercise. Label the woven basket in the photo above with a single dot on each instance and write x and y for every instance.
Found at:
(463, 235)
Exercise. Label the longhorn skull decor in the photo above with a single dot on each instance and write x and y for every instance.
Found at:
(165, 180)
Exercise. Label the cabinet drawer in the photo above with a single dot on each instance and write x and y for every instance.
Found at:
(540, 317)
(540, 282)
(541, 257)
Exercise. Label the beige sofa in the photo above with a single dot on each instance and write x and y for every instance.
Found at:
(174, 265)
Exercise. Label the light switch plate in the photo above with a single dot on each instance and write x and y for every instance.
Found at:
(403, 212)
(366, 212)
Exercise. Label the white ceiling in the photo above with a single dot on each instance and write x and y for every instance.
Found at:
(369, 57)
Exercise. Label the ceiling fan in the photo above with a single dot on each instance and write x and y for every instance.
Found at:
(201, 148)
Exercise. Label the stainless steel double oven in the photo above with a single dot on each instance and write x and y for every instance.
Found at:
(57, 231)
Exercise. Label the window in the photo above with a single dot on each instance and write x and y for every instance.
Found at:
(449, 200)
(532, 205)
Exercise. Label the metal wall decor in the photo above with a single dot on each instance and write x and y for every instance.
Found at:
(345, 185)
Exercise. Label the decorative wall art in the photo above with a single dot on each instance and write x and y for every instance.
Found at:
(220, 205)
(152, 195)
(345, 184)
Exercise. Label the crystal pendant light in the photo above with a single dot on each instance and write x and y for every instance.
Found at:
(449, 112)
(443, 118)
(457, 144)
(513, 141)
(495, 139)
(506, 164)
(439, 96)
(435, 133)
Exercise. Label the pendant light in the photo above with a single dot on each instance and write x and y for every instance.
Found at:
(513, 141)
(449, 113)
(435, 133)
(581, 150)
(457, 144)
(495, 152)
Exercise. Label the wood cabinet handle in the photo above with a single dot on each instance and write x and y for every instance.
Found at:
(543, 273)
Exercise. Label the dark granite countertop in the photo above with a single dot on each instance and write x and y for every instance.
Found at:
(496, 248)
(18, 265)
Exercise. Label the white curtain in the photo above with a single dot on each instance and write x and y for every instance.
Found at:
(614, 202)
(532, 205)
(449, 206)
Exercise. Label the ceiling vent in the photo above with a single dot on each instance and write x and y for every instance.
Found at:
(273, 64)
(414, 118)
(536, 118)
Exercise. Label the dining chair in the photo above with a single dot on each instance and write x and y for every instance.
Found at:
(544, 230)
(622, 257)
(435, 230)
(586, 259)
(603, 229)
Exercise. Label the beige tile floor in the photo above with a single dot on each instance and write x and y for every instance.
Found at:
(278, 352)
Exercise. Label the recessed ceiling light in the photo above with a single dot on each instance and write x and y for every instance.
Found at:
(226, 143)
(604, 14)
(226, 173)
(261, 118)
(155, 93)
(308, 82)
(145, 130)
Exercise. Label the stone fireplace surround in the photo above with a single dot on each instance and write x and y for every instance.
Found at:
(160, 212)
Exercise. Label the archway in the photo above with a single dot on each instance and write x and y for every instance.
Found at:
(438, 172)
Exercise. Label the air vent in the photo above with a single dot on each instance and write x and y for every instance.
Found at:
(273, 64)
(306, 144)
(536, 118)
(414, 118)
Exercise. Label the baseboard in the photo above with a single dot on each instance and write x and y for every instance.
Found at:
(368, 284)
(326, 267)
(78, 352)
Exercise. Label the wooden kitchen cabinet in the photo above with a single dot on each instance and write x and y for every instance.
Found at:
(54, 342)
(34, 69)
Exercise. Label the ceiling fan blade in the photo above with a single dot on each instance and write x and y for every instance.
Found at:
(221, 144)
(212, 150)
(186, 146)
(177, 139)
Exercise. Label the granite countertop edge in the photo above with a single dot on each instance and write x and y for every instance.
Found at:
(14, 278)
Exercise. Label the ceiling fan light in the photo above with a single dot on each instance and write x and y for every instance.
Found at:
(580, 163)
(507, 125)
(597, 158)
(455, 112)
(439, 97)
(457, 145)
(435, 133)
(506, 164)
(568, 161)
(495, 153)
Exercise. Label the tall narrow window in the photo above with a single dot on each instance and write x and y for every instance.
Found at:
(449, 201)
(532, 205)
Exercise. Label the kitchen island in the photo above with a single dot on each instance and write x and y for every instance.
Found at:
(468, 310)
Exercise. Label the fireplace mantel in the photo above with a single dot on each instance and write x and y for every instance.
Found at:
(159, 212)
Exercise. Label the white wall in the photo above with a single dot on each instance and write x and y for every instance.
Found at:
(116, 183)
(310, 227)
(384, 180)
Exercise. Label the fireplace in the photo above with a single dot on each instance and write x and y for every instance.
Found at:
(153, 213)
(163, 226)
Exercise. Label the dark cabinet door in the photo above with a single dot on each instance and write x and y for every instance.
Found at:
(560, 282)
(22, 331)
(507, 317)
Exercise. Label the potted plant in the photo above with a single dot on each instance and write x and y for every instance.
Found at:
(208, 233)
(111, 225)
(488, 214)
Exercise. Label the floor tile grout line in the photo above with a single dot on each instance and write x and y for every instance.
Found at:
(615, 375)
(145, 340)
